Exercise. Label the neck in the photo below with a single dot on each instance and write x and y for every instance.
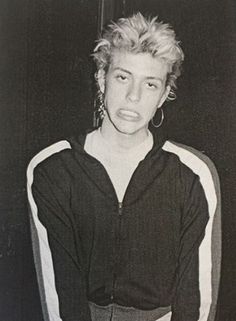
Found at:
(119, 140)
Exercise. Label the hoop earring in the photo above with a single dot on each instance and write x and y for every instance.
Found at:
(171, 96)
(162, 118)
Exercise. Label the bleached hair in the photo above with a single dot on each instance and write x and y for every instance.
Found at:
(138, 34)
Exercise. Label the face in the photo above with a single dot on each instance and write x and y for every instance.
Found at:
(134, 87)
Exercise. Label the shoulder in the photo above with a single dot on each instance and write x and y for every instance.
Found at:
(49, 156)
(199, 164)
(191, 157)
(59, 161)
(49, 167)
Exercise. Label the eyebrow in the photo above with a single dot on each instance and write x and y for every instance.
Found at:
(122, 69)
(130, 73)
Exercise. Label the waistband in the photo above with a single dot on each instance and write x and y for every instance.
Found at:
(115, 312)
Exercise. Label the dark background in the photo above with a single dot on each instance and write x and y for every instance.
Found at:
(46, 94)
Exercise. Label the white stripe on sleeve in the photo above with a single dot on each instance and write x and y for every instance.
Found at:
(41, 249)
(199, 164)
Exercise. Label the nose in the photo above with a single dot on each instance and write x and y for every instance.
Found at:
(134, 92)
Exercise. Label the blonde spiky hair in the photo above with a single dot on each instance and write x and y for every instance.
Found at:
(138, 34)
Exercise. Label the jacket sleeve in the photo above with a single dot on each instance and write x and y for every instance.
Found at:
(195, 215)
(59, 270)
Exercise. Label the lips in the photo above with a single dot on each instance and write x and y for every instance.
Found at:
(128, 114)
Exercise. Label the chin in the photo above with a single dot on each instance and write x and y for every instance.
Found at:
(128, 129)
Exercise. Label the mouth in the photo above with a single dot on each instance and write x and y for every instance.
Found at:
(129, 115)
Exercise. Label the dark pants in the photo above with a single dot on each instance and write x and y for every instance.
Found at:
(114, 312)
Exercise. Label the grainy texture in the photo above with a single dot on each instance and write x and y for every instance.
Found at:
(46, 94)
(46, 89)
(204, 113)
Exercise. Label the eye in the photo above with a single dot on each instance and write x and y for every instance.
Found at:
(122, 78)
(151, 85)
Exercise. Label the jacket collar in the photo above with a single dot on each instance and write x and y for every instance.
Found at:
(145, 173)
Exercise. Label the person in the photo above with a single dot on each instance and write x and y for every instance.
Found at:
(119, 214)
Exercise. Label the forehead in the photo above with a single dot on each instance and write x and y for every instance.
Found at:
(140, 64)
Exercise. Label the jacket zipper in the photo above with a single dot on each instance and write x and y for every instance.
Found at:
(120, 208)
(120, 212)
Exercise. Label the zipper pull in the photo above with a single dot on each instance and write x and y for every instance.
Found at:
(120, 209)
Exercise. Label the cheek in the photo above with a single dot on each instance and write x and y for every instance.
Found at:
(115, 93)
(151, 103)
(111, 98)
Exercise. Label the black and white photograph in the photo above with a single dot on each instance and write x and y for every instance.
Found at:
(118, 185)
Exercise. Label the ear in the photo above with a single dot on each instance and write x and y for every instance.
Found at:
(101, 80)
(164, 96)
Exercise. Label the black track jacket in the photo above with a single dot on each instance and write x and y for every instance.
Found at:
(144, 252)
